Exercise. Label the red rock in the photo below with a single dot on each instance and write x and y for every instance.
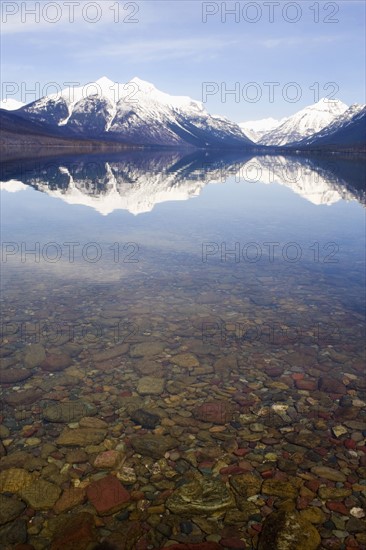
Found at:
(241, 452)
(108, 459)
(267, 474)
(137, 495)
(332, 385)
(233, 469)
(302, 503)
(245, 465)
(142, 544)
(30, 432)
(337, 507)
(274, 371)
(107, 495)
(206, 464)
(56, 362)
(76, 532)
(308, 385)
(298, 376)
(13, 375)
(233, 543)
(313, 485)
(128, 535)
(321, 451)
(350, 444)
(351, 543)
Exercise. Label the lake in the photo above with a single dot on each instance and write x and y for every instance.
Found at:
(193, 323)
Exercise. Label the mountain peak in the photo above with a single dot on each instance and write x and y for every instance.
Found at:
(327, 104)
(308, 121)
(143, 84)
(104, 81)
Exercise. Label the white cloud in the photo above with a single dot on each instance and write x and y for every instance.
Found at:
(150, 50)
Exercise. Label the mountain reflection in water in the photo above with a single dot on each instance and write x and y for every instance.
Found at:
(137, 181)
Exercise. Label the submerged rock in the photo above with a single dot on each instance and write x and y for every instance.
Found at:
(10, 509)
(147, 349)
(282, 489)
(145, 418)
(68, 411)
(34, 355)
(153, 445)
(13, 533)
(13, 375)
(185, 360)
(202, 496)
(56, 362)
(216, 412)
(14, 480)
(150, 385)
(40, 494)
(287, 530)
(76, 532)
(81, 437)
(107, 495)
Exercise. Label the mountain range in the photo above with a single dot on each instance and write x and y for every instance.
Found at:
(138, 114)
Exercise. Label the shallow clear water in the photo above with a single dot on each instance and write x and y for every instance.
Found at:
(254, 267)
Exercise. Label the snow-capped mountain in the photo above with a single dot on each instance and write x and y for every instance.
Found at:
(304, 123)
(135, 112)
(348, 129)
(255, 129)
(10, 104)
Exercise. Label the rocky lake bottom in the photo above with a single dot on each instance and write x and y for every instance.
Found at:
(155, 425)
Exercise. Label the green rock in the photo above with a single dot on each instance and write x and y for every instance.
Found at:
(287, 530)
(147, 349)
(185, 360)
(246, 485)
(150, 385)
(153, 445)
(10, 509)
(34, 355)
(334, 493)
(41, 494)
(328, 473)
(81, 437)
(203, 496)
(282, 489)
(69, 411)
(14, 480)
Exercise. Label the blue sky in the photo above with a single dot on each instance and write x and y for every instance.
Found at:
(308, 43)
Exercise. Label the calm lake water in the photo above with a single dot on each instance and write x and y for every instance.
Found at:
(215, 301)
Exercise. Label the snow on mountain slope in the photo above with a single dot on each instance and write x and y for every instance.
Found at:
(136, 112)
(304, 123)
(10, 104)
(255, 129)
(346, 127)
